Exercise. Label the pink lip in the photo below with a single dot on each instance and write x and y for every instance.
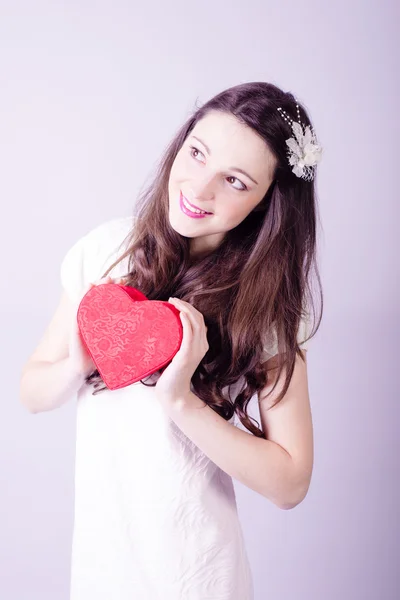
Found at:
(193, 205)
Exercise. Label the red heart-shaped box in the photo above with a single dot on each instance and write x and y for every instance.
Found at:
(128, 336)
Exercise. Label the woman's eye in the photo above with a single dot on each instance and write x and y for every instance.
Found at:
(243, 186)
(194, 148)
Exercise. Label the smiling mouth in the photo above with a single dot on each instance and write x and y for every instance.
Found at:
(190, 207)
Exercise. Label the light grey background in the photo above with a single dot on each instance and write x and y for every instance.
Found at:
(90, 94)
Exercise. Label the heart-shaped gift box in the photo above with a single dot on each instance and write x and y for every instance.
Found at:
(127, 335)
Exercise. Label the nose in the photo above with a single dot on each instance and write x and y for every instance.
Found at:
(202, 191)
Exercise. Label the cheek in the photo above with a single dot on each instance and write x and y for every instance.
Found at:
(172, 173)
(178, 166)
(237, 207)
(235, 213)
(184, 169)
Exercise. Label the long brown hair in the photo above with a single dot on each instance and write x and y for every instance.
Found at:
(257, 279)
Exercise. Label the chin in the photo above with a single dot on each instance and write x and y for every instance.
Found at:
(179, 227)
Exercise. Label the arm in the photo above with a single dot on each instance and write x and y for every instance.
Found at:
(49, 378)
(46, 385)
(280, 468)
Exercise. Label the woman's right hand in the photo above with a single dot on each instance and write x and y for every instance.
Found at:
(79, 358)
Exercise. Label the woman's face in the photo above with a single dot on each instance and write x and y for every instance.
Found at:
(223, 168)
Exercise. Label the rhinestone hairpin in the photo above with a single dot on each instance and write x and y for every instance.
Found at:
(304, 151)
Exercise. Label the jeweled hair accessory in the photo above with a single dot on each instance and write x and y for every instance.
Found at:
(304, 152)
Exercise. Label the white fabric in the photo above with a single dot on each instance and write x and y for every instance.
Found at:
(271, 343)
(155, 518)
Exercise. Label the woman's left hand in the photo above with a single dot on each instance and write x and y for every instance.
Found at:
(174, 383)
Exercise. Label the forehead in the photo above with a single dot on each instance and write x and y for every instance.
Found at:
(231, 142)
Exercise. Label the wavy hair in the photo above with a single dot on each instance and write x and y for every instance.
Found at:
(259, 278)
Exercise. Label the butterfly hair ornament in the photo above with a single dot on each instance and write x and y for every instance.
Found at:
(304, 151)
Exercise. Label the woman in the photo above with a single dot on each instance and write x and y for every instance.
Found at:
(226, 233)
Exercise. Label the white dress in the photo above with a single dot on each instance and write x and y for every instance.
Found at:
(155, 518)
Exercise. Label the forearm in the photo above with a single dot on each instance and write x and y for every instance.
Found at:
(260, 464)
(46, 386)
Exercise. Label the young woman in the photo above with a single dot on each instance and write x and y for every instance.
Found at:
(227, 233)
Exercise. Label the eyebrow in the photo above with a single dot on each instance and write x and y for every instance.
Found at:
(230, 168)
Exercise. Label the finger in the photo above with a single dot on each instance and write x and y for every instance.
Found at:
(195, 316)
(187, 338)
(196, 320)
(107, 279)
(196, 327)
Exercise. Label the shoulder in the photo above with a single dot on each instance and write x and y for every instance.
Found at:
(105, 242)
(270, 347)
(92, 253)
(105, 238)
(110, 232)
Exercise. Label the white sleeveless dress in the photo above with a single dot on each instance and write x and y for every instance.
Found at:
(155, 518)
